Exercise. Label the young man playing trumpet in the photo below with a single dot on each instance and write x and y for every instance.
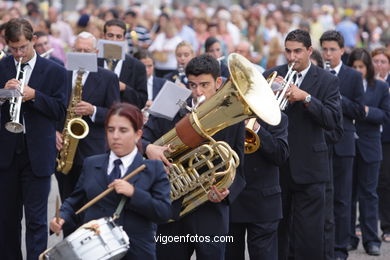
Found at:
(211, 218)
(27, 159)
(314, 105)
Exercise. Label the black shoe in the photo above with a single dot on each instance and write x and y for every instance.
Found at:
(351, 247)
(373, 250)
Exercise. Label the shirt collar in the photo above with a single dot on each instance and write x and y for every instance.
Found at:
(304, 72)
(127, 160)
(337, 68)
(31, 62)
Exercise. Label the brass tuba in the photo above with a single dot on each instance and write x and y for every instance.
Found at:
(75, 128)
(197, 165)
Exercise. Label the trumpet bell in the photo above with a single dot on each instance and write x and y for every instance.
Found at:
(252, 142)
(254, 89)
(14, 127)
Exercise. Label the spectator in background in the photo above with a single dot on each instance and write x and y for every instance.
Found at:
(163, 50)
(200, 26)
(184, 31)
(137, 36)
(350, 31)
(64, 29)
(245, 49)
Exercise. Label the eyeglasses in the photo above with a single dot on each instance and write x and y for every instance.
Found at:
(21, 48)
(329, 49)
(111, 35)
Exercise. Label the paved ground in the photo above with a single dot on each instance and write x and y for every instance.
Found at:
(358, 254)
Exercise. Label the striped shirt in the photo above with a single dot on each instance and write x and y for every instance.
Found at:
(143, 37)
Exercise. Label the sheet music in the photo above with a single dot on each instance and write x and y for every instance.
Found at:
(168, 101)
(9, 93)
(112, 49)
(81, 61)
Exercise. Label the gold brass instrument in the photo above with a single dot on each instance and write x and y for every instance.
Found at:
(14, 126)
(252, 140)
(198, 165)
(75, 128)
(287, 80)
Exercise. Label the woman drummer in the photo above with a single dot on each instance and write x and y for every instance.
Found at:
(147, 193)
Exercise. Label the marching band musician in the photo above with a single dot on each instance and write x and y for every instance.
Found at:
(314, 105)
(368, 153)
(43, 47)
(211, 218)
(130, 71)
(99, 91)
(27, 159)
(184, 53)
(148, 199)
(342, 147)
(258, 208)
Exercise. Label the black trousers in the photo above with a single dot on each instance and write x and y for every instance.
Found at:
(262, 240)
(384, 189)
(20, 189)
(301, 231)
(329, 229)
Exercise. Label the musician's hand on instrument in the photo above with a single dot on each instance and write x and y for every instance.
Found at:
(55, 226)
(122, 86)
(84, 109)
(12, 84)
(28, 93)
(295, 94)
(122, 187)
(216, 195)
(59, 140)
(156, 152)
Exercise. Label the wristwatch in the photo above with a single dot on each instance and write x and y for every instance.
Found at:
(307, 99)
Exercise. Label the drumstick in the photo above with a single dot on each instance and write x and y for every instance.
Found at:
(57, 212)
(107, 191)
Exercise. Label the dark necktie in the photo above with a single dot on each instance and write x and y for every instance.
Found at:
(22, 66)
(299, 75)
(116, 172)
(333, 72)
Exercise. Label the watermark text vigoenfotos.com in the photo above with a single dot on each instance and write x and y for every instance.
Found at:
(192, 239)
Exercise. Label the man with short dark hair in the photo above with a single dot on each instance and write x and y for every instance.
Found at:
(343, 148)
(130, 71)
(314, 105)
(211, 218)
(42, 47)
(27, 159)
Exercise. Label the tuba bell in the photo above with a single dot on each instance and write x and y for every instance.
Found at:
(198, 160)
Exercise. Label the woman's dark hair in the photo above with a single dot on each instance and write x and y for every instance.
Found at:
(131, 112)
(17, 27)
(316, 56)
(364, 56)
(209, 42)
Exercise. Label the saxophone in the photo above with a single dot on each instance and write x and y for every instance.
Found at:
(75, 128)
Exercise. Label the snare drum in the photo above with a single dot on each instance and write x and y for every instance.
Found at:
(111, 242)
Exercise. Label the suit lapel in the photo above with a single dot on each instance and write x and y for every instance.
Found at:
(90, 84)
(310, 80)
(155, 87)
(36, 78)
(138, 160)
(101, 172)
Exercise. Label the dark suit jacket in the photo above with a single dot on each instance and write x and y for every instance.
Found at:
(352, 102)
(158, 83)
(309, 160)
(56, 60)
(261, 200)
(133, 74)
(49, 81)
(149, 204)
(369, 141)
(233, 135)
(386, 126)
(101, 89)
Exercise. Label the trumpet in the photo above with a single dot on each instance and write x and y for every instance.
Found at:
(287, 80)
(47, 53)
(15, 104)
